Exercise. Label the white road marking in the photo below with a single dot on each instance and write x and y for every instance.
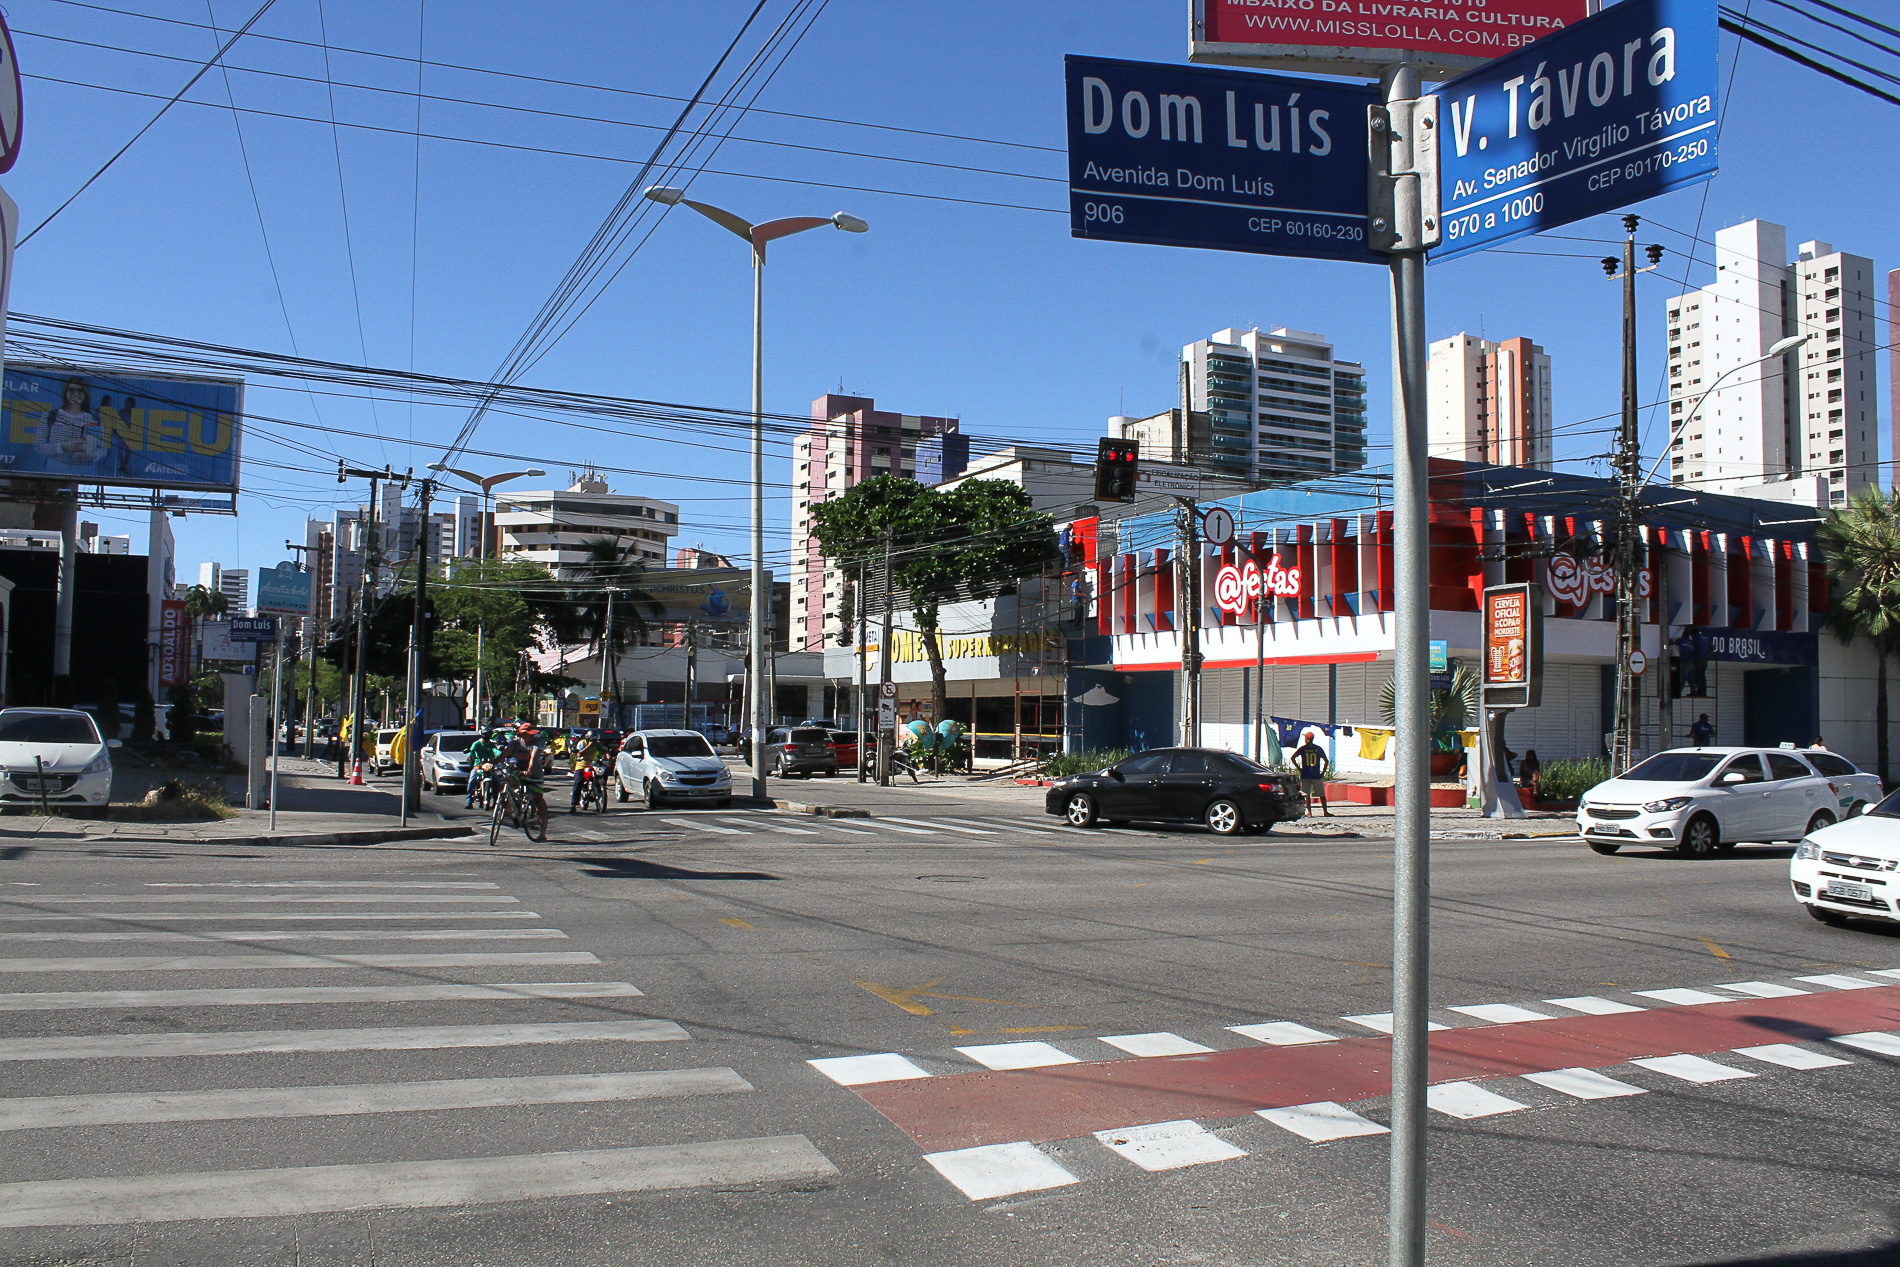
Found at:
(271, 963)
(1840, 981)
(262, 915)
(858, 1071)
(1169, 1145)
(1502, 1013)
(1017, 1055)
(1282, 1033)
(943, 822)
(1683, 998)
(405, 1184)
(994, 824)
(1760, 989)
(999, 1170)
(888, 825)
(1887, 972)
(328, 934)
(1584, 1084)
(703, 825)
(391, 1038)
(855, 831)
(1792, 1057)
(321, 884)
(1381, 1022)
(1692, 1068)
(59, 1111)
(1466, 1100)
(55, 1000)
(1160, 1043)
(1874, 1041)
(1322, 1121)
(1591, 1005)
(780, 828)
(82, 899)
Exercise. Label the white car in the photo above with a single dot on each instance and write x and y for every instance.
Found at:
(55, 754)
(1699, 800)
(444, 759)
(1851, 868)
(1857, 790)
(671, 765)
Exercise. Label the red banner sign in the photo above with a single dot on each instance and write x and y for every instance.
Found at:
(174, 643)
(1299, 34)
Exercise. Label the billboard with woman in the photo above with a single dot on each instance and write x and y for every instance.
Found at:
(121, 427)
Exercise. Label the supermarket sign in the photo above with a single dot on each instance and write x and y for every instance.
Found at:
(1359, 37)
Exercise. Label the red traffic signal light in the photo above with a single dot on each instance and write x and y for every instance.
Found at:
(1117, 464)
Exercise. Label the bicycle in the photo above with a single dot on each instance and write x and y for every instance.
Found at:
(487, 787)
(524, 806)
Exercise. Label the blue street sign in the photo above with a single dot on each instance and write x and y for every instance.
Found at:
(1615, 109)
(254, 629)
(286, 591)
(1223, 159)
(1441, 655)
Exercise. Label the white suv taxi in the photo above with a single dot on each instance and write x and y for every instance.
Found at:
(1851, 868)
(1699, 800)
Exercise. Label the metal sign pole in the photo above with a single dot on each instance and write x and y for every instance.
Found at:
(276, 720)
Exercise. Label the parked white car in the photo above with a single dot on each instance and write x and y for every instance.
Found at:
(1856, 790)
(1851, 868)
(670, 765)
(56, 753)
(444, 760)
(1699, 800)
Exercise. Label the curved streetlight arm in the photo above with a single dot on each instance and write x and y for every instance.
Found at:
(1781, 348)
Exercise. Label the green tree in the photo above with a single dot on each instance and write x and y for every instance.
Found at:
(607, 605)
(1862, 543)
(975, 541)
(488, 597)
(202, 604)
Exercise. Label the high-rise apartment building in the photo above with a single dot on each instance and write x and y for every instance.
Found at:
(1805, 421)
(1893, 367)
(233, 583)
(1281, 407)
(346, 541)
(1490, 402)
(555, 528)
(851, 439)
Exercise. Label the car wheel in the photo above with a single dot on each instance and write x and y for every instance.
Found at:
(651, 794)
(1820, 820)
(1857, 809)
(620, 790)
(1224, 818)
(1081, 811)
(1603, 846)
(1700, 838)
(1833, 919)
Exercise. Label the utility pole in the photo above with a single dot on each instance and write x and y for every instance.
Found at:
(1260, 600)
(692, 672)
(885, 737)
(609, 666)
(310, 696)
(372, 557)
(418, 656)
(1189, 526)
(863, 633)
(1629, 617)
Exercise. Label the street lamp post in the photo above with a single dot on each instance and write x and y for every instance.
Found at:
(1780, 348)
(757, 235)
(486, 485)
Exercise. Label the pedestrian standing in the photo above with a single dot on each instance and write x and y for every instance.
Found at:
(1701, 733)
(1310, 759)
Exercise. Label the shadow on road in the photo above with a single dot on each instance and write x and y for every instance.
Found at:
(1879, 1256)
(641, 869)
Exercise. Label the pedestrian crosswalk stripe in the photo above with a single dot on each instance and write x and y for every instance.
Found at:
(1169, 1145)
(858, 1071)
(1282, 1033)
(1692, 1068)
(761, 825)
(321, 884)
(1584, 1084)
(390, 1038)
(1000, 826)
(257, 963)
(1381, 1022)
(1322, 1121)
(891, 825)
(406, 1184)
(1161, 1043)
(177, 899)
(999, 1170)
(1591, 1005)
(853, 831)
(1467, 1100)
(703, 825)
(1840, 981)
(1760, 989)
(304, 934)
(944, 822)
(1879, 1043)
(1894, 973)
(1792, 1057)
(1017, 1055)
(58, 1000)
(306, 917)
(1502, 1013)
(129, 1108)
(1683, 998)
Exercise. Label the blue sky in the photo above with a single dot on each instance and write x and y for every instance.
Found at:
(989, 313)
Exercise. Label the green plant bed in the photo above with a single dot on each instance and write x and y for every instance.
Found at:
(1062, 765)
(1566, 779)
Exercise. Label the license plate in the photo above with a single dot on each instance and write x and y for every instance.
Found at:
(31, 785)
(1854, 892)
(1600, 830)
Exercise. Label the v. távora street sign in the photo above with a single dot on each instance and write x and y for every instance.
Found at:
(1223, 159)
(1615, 109)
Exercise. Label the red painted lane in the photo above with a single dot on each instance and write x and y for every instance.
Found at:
(1067, 1101)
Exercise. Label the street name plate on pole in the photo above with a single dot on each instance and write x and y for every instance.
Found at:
(253, 629)
(1223, 159)
(1615, 109)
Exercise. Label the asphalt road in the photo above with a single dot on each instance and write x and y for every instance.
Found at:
(163, 1107)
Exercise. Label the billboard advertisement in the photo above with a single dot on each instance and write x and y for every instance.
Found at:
(715, 596)
(1513, 646)
(218, 645)
(174, 643)
(1358, 37)
(147, 430)
(286, 591)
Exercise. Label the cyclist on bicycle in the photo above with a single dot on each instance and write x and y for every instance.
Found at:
(583, 753)
(530, 762)
(482, 756)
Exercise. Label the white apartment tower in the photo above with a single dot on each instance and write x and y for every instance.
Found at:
(233, 583)
(1282, 407)
(1802, 426)
(1490, 402)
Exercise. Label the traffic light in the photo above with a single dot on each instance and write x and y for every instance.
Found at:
(1116, 465)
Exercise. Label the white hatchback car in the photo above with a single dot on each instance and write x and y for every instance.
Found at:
(54, 755)
(1851, 868)
(1699, 800)
(671, 765)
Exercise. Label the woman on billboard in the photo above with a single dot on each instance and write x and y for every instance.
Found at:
(74, 434)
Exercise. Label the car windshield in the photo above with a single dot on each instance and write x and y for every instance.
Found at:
(1889, 808)
(47, 728)
(454, 743)
(1675, 767)
(679, 746)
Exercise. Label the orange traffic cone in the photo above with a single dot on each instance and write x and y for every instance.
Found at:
(356, 773)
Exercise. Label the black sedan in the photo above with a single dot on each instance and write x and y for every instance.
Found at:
(1228, 793)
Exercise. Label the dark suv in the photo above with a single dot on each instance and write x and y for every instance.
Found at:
(803, 750)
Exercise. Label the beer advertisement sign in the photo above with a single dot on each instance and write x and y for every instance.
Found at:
(1513, 646)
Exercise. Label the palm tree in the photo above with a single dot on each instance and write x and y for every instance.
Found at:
(1862, 543)
(201, 604)
(608, 606)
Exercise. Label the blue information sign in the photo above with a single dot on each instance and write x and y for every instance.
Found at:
(253, 629)
(1615, 109)
(1223, 159)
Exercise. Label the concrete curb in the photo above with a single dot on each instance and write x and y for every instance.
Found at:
(825, 811)
(317, 840)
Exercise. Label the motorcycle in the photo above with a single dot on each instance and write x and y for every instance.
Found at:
(593, 789)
